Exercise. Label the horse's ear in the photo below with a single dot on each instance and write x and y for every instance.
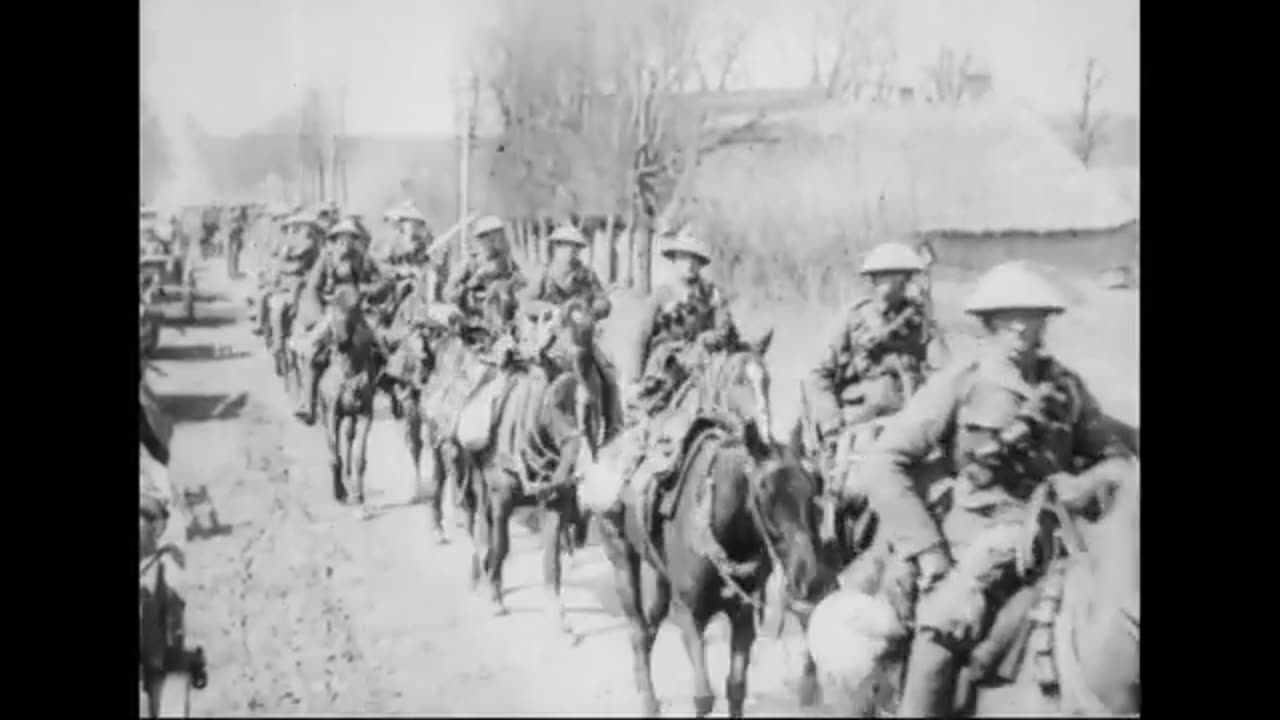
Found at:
(761, 346)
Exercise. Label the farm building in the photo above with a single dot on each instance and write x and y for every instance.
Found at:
(985, 182)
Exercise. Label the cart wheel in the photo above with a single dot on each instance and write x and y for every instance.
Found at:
(175, 695)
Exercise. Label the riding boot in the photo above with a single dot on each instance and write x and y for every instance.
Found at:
(929, 690)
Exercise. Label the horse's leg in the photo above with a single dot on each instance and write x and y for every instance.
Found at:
(333, 435)
(363, 423)
(809, 691)
(434, 492)
(627, 577)
(411, 423)
(502, 503)
(742, 629)
(348, 441)
(477, 525)
(692, 626)
(553, 524)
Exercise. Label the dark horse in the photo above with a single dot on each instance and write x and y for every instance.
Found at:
(544, 428)
(346, 390)
(743, 507)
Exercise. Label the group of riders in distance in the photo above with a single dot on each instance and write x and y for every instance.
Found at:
(984, 503)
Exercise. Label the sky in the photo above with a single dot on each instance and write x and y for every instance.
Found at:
(234, 65)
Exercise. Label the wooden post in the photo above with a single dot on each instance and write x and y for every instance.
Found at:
(611, 250)
(464, 169)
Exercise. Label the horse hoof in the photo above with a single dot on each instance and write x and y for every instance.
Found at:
(809, 693)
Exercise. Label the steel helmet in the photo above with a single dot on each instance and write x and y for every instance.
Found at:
(569, 235)
(486, 224)
(347, 226)
(408, 212)
(684, 241)
(1013, 286)
(891, 257)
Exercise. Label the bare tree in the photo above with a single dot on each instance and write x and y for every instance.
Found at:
(1089, 123)
(852, 48)
(948, 75)
(726, 28)
(606, 109)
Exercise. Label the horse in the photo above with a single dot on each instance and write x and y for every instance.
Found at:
(346, 390)
(443, 353)
(547, 425)
(1095, 633)
(744, 506)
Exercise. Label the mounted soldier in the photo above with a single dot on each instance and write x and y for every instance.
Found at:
(567, 278)
(1015, 428)
(684, 320)
(345, 264)
(292, 261)
(489, 268)
(877, 358)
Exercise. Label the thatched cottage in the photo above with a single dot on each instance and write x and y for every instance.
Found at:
(984, 181)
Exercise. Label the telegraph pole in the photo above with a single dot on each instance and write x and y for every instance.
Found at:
(465, 138)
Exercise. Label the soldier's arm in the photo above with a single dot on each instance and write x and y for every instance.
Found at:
(456, 286)
(1098, 448)
(648, 320)
(909, 437)
(598, 297)
(318, 278)
(722, 322)
(839, 353)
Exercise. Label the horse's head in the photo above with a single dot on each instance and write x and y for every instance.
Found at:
(787, 501)
(736, 381)
(1116, 535)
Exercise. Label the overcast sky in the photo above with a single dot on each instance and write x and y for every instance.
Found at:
(233, 65)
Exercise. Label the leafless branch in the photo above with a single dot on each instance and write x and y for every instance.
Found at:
(1089, 123)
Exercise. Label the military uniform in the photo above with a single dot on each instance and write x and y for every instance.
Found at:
(293, 260)
(1005, 428)
(680, 321)
(481, 273)
(875, 361)
(335, 270)
(574, 280)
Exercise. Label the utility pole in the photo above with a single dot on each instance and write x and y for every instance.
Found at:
(465, 137)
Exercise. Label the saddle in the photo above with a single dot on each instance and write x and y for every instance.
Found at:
(481, 410)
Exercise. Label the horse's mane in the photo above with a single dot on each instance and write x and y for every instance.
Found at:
(716, 374)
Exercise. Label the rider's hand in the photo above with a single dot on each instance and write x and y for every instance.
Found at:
(933, 565)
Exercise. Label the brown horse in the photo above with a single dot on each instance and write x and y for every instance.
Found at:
(445, 354)
(346, 390)
(743, 507)
(1096, 636)
(546, 425)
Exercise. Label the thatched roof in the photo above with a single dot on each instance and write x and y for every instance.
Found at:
(964, 170)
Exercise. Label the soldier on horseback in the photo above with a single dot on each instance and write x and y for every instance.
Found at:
(490, 268)
(567, 278)
(877, 358)
(294, 258)
(1015, 428)
(344, 265)
(683, 320)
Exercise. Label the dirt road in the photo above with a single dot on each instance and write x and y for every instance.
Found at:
(302, 608)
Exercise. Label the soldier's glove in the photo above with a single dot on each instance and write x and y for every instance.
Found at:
(933, 565)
